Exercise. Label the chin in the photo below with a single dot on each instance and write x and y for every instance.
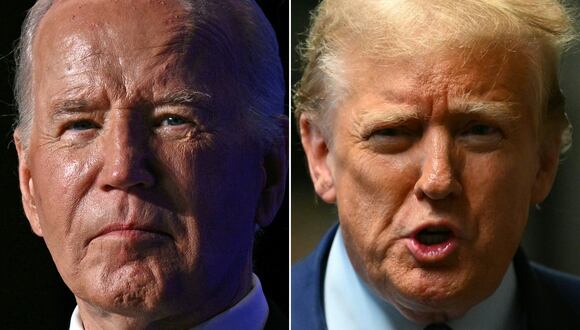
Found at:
(132, 290)
(433, 305)
(430, 296)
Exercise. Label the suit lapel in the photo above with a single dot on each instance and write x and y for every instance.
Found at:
(308, 287)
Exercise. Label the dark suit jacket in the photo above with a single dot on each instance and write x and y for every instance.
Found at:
(550, 299)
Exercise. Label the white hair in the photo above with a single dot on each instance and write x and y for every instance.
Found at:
(23, 84)
(256, 58)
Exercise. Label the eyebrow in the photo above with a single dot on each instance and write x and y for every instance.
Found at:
(68, 106)
(501, 111)
(183, 97)
(401, 113)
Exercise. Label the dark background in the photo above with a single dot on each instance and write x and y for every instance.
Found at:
(553, 233)
(32, 294)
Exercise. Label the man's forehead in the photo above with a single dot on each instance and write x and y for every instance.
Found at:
(461, 72)
(113, 24)
(82, 5)
(77, 39)
(86, 45)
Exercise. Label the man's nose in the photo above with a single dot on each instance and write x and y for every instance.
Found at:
(438, 178)
(126, 157)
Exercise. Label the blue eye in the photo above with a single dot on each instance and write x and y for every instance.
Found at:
(82, 125)
(173, 121)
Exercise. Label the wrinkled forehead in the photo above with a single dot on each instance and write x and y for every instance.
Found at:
(119, 27)
(133, 47)
(491, 61)
(489, 65)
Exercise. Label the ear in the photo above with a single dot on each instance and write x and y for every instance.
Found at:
(316, 149)
(549, 158)
(26, 185)
(275, 167)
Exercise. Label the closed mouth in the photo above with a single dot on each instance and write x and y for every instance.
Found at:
(130, 231)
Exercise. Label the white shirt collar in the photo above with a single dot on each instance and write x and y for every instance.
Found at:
(350, 304)
(249, 313)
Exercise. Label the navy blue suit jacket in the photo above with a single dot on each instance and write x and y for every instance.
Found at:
(550, 299)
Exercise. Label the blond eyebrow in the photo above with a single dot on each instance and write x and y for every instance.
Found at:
(502, 111)
(401, 114)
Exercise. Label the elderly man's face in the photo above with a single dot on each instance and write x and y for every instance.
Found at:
(433, 164)
(138, 173)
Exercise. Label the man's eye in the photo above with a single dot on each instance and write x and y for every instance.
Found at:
(394, 133)
(392, 139)
(173, 121)
(388, 132)
(480, 129)
(82, 125)
(481, 136)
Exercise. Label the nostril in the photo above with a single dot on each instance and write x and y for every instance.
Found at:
(437, 186)
(127, 175)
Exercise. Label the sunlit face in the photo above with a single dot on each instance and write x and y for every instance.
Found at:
(140, 174)
(433, 164)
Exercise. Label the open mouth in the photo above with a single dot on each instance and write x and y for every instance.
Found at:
(434, 235)
(433, 244)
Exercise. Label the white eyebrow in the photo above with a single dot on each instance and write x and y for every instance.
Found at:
(184, 96)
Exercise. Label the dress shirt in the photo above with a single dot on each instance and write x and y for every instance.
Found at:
(249, 313)
(350, 304)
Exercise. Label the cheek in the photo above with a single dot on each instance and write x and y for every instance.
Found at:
(218, 189)
(372, 192)
(61, 179)
(368, 182)
(499, 188)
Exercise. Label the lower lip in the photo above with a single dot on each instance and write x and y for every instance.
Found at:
(432, 253)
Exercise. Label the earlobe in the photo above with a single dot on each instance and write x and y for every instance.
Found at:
(26, 186)
(317, 153)
(275, 169)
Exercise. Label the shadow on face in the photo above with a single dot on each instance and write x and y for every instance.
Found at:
(138, 171)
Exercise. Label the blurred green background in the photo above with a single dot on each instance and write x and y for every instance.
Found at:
(553, 234)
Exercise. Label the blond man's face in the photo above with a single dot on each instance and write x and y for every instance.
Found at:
(433, 165)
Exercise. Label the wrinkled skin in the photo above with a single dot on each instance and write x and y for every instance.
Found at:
(139, 173)
(404, 150)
